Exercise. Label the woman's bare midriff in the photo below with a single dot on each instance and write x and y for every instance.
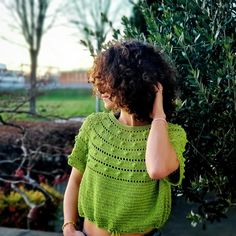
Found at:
(92, 230)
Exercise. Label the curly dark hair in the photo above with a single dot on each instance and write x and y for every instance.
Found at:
(128, 71)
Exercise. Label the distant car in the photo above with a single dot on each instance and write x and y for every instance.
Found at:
(3, 67)
(11, 80)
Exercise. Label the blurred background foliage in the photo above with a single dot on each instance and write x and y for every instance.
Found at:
(199, 36)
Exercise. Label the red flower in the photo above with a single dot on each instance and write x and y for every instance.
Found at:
(19, 172)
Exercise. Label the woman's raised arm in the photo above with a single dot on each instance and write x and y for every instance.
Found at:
(161, 159)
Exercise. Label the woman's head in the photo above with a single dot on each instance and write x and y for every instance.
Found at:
(127, 71)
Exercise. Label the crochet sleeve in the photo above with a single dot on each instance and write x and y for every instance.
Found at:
(78, 156)
(178, 139)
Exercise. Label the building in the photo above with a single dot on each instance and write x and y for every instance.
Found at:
(10, 79)
(74, 79)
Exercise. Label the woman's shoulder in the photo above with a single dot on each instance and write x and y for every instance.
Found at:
(95, 116)
(177, 134)
(176, 128)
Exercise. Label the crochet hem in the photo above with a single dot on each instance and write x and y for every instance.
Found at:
(151, 227)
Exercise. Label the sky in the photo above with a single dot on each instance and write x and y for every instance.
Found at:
(60, 48)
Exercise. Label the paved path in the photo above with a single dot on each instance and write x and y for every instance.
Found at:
(176, 226)
(24, 232)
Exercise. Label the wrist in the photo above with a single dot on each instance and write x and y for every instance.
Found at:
(69, 231)
(69, 226)
(159, 119)
(159, 115)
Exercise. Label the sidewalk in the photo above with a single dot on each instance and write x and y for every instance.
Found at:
(25, 232)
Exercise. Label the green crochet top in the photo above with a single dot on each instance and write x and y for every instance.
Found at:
(116, 192)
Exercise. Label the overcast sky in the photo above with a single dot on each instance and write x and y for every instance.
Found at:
(59, 49)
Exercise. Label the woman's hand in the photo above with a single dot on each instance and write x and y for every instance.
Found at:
(76, 233)
(79, 233)
(71, 231)
(158, 110)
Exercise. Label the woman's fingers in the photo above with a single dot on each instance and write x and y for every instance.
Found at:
(158, 87)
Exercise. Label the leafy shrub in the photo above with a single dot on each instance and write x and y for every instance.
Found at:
(14, 212)
(200, 37)
(47, 145)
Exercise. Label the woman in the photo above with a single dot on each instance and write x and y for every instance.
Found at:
(125, 161)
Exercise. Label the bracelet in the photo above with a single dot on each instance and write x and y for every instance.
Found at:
(160, 118)
(67, 223)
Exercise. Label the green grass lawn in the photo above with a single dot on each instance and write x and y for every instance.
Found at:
(61, 102)
(66, 103)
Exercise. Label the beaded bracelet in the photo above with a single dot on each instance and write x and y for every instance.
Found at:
(160, 118)
(67, 223)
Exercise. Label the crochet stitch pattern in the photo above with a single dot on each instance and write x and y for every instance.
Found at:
(116, 192)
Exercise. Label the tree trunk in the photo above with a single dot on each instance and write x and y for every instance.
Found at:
(33, 81)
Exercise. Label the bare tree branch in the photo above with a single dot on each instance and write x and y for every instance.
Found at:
(13, 42)
(11, 124)
(31, 15)
(9, 161)
(47, 117)
(92, 21)
(25, 197)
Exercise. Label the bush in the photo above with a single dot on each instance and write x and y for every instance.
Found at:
(23, 178)
(200, 37)
(14, 212)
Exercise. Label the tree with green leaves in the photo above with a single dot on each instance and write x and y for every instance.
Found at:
(200, 38)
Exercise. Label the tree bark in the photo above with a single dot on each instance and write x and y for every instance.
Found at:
(33, 81)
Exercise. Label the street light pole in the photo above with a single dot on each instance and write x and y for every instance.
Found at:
(97, 104)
